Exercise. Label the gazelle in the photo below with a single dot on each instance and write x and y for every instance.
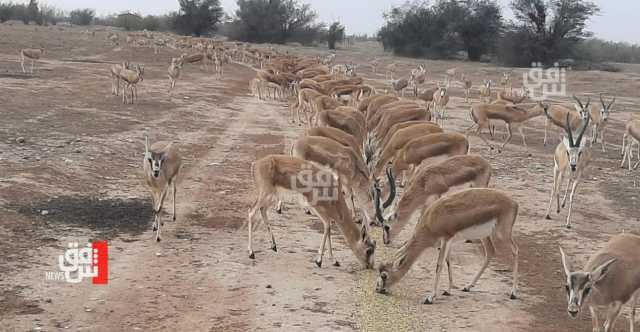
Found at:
(631, 135)
(609, 280)
(467, 85)
(571, 157)
(513, 116)
(174, 71)
(33, 54)
(428, 185)
(440, 101)
(600, 118)
(485, 91)
(505, 82)
(161, 165)
(399, 86)
(378, 133)
(131, 78)
(276, 175)
(471, 214)
(450, 74)
(115, 77)
(391, 71)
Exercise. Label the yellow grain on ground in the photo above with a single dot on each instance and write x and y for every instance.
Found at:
(377, 312)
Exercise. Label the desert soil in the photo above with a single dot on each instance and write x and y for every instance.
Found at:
(81, 162)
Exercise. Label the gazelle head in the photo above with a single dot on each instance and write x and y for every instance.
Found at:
(376, 200)
(580, 283)
(577, 147)
(155, 160)
(140, 71)
(583, 109)
(604, 111)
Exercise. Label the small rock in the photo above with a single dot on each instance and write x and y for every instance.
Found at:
(44, 212)
(268, 286)
(78, 151)
(20, 140)
(88, 309)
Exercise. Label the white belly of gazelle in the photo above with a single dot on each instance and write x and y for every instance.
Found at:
(477, 232)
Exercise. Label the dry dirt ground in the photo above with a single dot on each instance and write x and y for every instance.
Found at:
(81, 162)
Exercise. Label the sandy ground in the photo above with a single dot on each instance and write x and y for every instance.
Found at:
(81, 162)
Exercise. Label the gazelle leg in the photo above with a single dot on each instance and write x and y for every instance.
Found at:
(573, 191)
(252, 214)
(489, 252)
(566, 192)
(279, 207)
(174, 199)
(557, 177)
(450, 273)
(524, 141)
(325, 235)
(22, 63)
(331, 257)
(624, 140)
(263, 212)
(515, 253)
(613, 312)
(444, 251)
(157, 223)
(595, 324)
(604, 148)
(509, 136)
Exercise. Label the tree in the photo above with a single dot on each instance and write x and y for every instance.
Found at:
(335, 35)
(82, 16)
(197, 17)
(548, 30)
(151, 23)
(444, 29)
(33, 12)
(275, 21)
(129, 21)
(6, 12)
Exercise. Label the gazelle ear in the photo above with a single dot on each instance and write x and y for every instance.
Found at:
(363, 232)
(565, 263)
(601, 271)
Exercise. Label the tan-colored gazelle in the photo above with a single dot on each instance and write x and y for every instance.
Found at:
(600, 118)
(174, 71)
(161, 165)
(277, 176)
(33, 54)
(571, 159)
(429, 184)
(609, 280)
(631, 136)
(472, 214)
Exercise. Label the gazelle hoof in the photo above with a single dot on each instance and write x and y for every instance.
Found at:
(336, 264)
(513, 296)
(428, 300)
(318, 263)
(274, 248)
(158, 239)
(467, 289)
(252, 255)
(548, 217)
(279, 211)
(568, 226)
(446, 293)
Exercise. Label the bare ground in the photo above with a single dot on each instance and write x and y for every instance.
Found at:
(81, 162)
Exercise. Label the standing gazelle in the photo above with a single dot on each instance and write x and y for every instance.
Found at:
(609, 280)
(574, 157)
(161, 166)
(34, 54)
(472, 214)
(600, 118)
(174, 71)
(631, 135)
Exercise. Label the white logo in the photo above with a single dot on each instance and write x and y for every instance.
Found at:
(79, 263)
(322, 186)
(549, 82)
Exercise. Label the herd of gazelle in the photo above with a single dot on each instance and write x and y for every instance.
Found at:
(355, 136)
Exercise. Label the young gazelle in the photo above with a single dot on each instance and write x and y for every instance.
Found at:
(429, 184)
(275, 176)
(130, 79)
(34, 54)
(161, 166)
(609, 280)
(600, 117)
(631, 135)
(571, 157)
(471, 214)
(175, 69)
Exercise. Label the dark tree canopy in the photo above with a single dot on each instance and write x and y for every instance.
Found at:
(82, 16)
(197, 17)
(335, 35)
(444, 29)
(274, 21)
(546, 31)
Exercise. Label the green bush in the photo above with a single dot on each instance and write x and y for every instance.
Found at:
(82, 16)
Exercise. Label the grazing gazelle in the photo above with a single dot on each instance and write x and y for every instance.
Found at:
(472, 214)
(631, 135)
(161, 166)
(34, 54)
(428, 185)
(600, 118)
(571, 157)
(275, 176)
(609, 280)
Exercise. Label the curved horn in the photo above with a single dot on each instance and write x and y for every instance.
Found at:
(586, 124)
(568, 129)
(613, 101)
(376, 201)
(579, 102)
(602, 101)
(392, 188)
(586, 106)
(146, 144)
